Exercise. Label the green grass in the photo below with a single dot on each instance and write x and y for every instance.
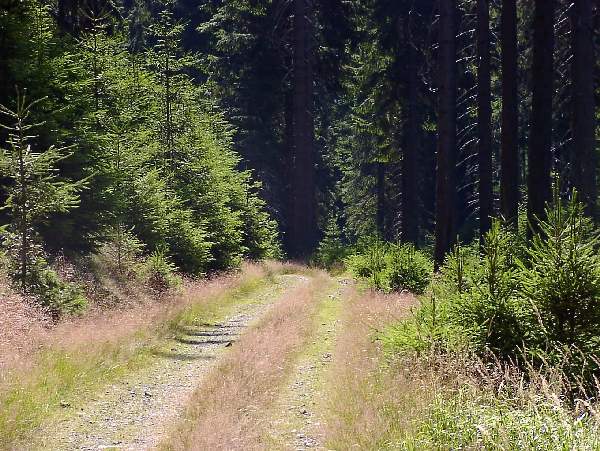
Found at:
(467, 420)
(59, 377)
(319, 341)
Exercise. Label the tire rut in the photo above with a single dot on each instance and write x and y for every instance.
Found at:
(296, 417)
(134, 414)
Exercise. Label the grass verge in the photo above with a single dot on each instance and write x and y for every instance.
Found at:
(473, 405)
(85, 356)
(398, 400)
(363, 402)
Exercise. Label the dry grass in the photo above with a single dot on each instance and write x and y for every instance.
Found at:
(227, 411)
(443, 401)
(362, 396)
(27, 330)
(21, 322)
(43, 364)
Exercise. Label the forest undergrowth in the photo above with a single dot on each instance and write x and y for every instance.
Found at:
(500, 351)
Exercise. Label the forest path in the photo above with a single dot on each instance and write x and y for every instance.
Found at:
(135, 413)
(296, 418)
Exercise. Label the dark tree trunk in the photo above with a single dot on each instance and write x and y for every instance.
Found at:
(583, 120)
(484, 118)
(303, 223)
(287, 166)
(68, 15)
(381, 199)
(445, 207)
(539, 183)
(509, 154)
(410, 217)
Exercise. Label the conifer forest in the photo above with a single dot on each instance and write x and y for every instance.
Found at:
(299, 224)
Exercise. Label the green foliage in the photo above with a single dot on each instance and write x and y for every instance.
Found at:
(331, 250)
(36, 191)
(160, 220)
(428, 329)
(537, 302)
(460, 271)
(391, 267)
(59, 296)
(492, 313)
(472, 421)
(407, 269)
(120, 256)
(159, 272)
(147, 137)
(561, 280)
(368, 262)
(261, 237)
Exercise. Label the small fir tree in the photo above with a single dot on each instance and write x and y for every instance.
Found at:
(35, 192)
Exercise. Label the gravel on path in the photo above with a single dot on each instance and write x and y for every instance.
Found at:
(135, 413)
(296, 416)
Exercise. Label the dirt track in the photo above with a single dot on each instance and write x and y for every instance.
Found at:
(135, 413)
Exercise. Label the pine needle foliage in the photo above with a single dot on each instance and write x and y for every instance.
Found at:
(36, 190)
(125, 111)
(536, 304)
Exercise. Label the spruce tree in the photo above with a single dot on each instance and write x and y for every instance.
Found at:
(36, 191)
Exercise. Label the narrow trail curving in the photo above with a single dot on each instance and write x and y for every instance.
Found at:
(135, 413)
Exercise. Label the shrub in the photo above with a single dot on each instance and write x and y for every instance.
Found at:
(159, 272)
(58, 296)
(489, 308)
(121, 255)
(391, 267)
(428, 329)
(461, 269)
(561, 280)
(160, 219)
(407, 269)
(537, 303)
(54, 293)
(331, 250)
(261, 236)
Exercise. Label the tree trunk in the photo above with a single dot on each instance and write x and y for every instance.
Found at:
(23, 224)
(445, 208)
(410, 218)
(484, 118)
(583, 120)
(303, 224)
(509, 154)
(381, 199)
(539, 183)
(68, 15)
(287, 168)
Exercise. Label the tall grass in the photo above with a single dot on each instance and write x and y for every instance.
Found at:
(446, 401)
(478, 405)
(227, 410)
(365, 404)
(74, 358)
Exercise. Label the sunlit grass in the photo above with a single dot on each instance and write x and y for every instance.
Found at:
(228, 410)
(446, 401)
(471, 420)
(365, 406)
(61, 375)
